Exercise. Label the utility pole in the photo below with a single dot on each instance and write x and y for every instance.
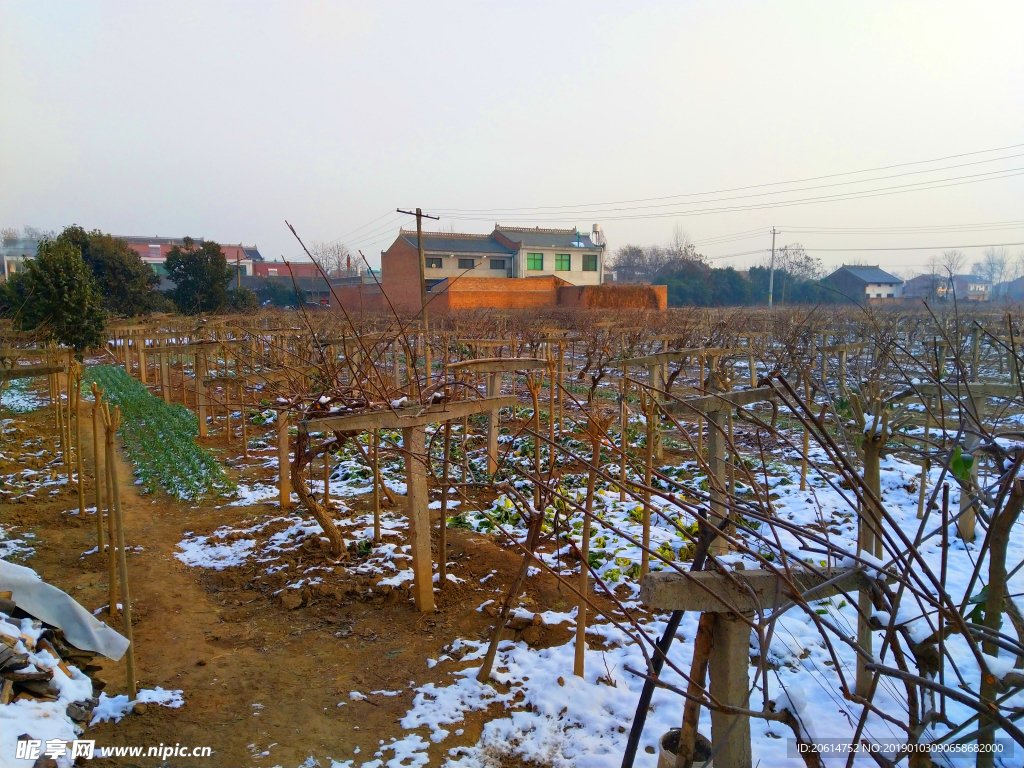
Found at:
(771, 273)
(420, 215)
(238, 270)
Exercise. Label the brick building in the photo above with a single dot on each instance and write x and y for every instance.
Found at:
(510, 268)
(154, 250)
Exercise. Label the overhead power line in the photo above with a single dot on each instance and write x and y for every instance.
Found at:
(880, 192)
(742, 188)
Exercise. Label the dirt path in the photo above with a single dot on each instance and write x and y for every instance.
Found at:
(262, 684)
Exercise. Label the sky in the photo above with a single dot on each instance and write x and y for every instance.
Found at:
(893, 126)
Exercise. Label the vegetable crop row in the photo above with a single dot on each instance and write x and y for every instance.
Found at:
(160, 439)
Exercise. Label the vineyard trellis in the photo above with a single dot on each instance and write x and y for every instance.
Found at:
(679, 467)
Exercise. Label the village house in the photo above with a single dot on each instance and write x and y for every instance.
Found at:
(512, 267)
(861, 284)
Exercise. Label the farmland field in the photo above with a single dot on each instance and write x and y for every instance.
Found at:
(372, 545)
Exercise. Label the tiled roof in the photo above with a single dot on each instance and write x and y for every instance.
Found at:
(546, 238)
(454, 242)
(870, 274)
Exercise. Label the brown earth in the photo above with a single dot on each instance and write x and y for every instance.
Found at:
(221, 637)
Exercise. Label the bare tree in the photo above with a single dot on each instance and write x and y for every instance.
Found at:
(8, 234)
(797, 262)
(334, 258)
(992, 266)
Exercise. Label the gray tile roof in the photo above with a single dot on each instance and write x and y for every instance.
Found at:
(444, 242)
(870, 274)
(546, 238)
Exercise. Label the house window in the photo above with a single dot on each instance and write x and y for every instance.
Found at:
(535, 261)
(562, 262)
(467, 263)
(271, 273)
(878, 295)
(498, 264)
(590, 262)
(434, 263)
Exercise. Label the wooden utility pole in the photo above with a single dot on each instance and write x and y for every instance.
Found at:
(420, 215)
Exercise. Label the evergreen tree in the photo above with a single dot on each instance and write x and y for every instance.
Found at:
(201, 277)
(126, 282)
(57, 294)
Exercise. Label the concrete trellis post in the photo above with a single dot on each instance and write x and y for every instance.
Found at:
(716, 593)
(412, 422)
(493, 368)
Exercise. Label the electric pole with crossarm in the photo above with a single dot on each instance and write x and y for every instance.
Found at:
(420, 215)
(771, 271)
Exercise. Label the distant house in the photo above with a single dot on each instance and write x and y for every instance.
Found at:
(1009, 290)
(277, 268)
(971, 288)
(14, 252)
(574, 258)
(154, 250)
(930, 287)
(863, 283)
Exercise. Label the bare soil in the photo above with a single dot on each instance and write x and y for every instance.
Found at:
(258, 677)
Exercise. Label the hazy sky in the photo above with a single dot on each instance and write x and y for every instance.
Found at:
(223, 119)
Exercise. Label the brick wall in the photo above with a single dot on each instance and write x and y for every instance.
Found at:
(400, 276)
(614, 297)
(502, 293)
(357, 299)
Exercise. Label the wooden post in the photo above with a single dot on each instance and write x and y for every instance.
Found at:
(245, 420)
(200, 372)
(493, 390)
(112, 421)
(284, 486)
(376, 483)
(417, 510)
(143, 360)
(442, 539)
(650, 411)
(327, 479)
(700, 418)
(165, 376)
(111, 532)
(925, 461)
(716, 478)
(806, 436)
(975, 407)
(654, 425)
(623, 440)
(98, 475)
(77, 385)
(588, 509)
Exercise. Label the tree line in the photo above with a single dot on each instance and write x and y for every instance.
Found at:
(693, 281)
(79, 279)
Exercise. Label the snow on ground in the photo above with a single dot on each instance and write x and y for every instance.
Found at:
(19, 396)
(40, 719)
(555, 718)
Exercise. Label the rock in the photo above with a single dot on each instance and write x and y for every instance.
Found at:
(508, 634)
(80, 710)
(140, 708)
(307, 596)
(532, 635)
(520, 622)
(491, 611)
(290, 599)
